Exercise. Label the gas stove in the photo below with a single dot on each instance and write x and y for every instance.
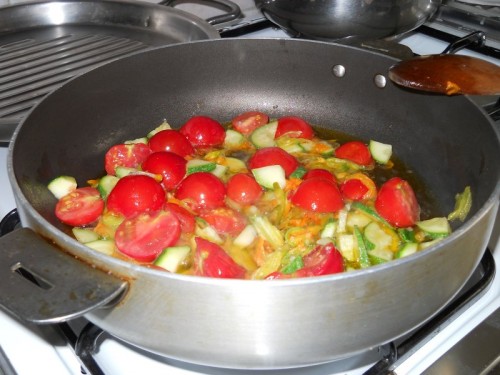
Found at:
(462, 339)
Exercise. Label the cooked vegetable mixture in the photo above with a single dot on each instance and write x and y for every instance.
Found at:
(255, 199)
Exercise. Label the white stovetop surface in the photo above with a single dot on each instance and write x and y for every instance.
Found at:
(35, 349)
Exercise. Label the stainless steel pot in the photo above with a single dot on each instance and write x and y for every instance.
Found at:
(448, 141)
(338, 19)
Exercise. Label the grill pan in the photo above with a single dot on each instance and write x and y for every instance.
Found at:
(44, 44)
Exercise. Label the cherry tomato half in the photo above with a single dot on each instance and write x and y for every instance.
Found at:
(171, 166)
(171, 140)
(125, 156)
(143, 237)
(322, 173)
(186, 219)
(203, 131)
(273, 156)
(353, 189)
(134, 194)
(225, 220)
(249, 121)
(211, 260)
(396, 202)
(242, 188)
(294, 127)
(355, 151)
(318, 195)
(81, 207)
(323, 260)
(203, 190)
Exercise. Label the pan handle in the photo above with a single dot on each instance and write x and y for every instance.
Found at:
(42, 284)
(233, 10)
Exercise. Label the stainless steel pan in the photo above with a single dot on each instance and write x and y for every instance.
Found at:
(448, 141)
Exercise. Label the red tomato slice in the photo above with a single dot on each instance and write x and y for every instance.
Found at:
(322, 173)
(203, 190)
(144, 236)
(294, 127)
(211, 260)
(323, 260)
(396, 202)
(171, 166)
(171, 140)
(134, 194)
(186, 219)
(318, 195)
(225, 220)
(203, 131)
(122, 155)
(353, 189)
(242, 188)
(355, 151)
(82, 206)
(249, 121)
(273, 156)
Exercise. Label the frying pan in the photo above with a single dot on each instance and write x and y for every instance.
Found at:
(448, 141)
(45, 43)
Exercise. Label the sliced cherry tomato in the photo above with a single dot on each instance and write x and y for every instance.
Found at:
(353, 189)
(203, 190)
(185, 217)
(249, 121)
(322, 173)
(203, 131)
(143, 237)
(211, 260)
(171, 166)
(225, 220)
(294, 127)
(323, 260)
(82, 206)
(122, 155)
(242, 188)
(318, 195)
(396, 202)
(273, 156)
(134, 194)
(355, 151)
(171, 140)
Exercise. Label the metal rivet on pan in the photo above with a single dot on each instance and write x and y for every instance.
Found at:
(380, 81)
(338, 71)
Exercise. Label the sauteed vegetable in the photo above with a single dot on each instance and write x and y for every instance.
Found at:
(257, 198)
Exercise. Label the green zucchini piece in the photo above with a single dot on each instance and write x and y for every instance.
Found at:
(381, 152)
(408, 248)
(106, 184)
(233, 139)
(463, 204)
(163, 126)
(299, 172)
(437, 227)
(364, 261)
(124, 171)
(172, 257)
(84, 235)
(103, 246)
(198, 165)
(267, 176)
(378, 237)
(264, 136)
(62, 185)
